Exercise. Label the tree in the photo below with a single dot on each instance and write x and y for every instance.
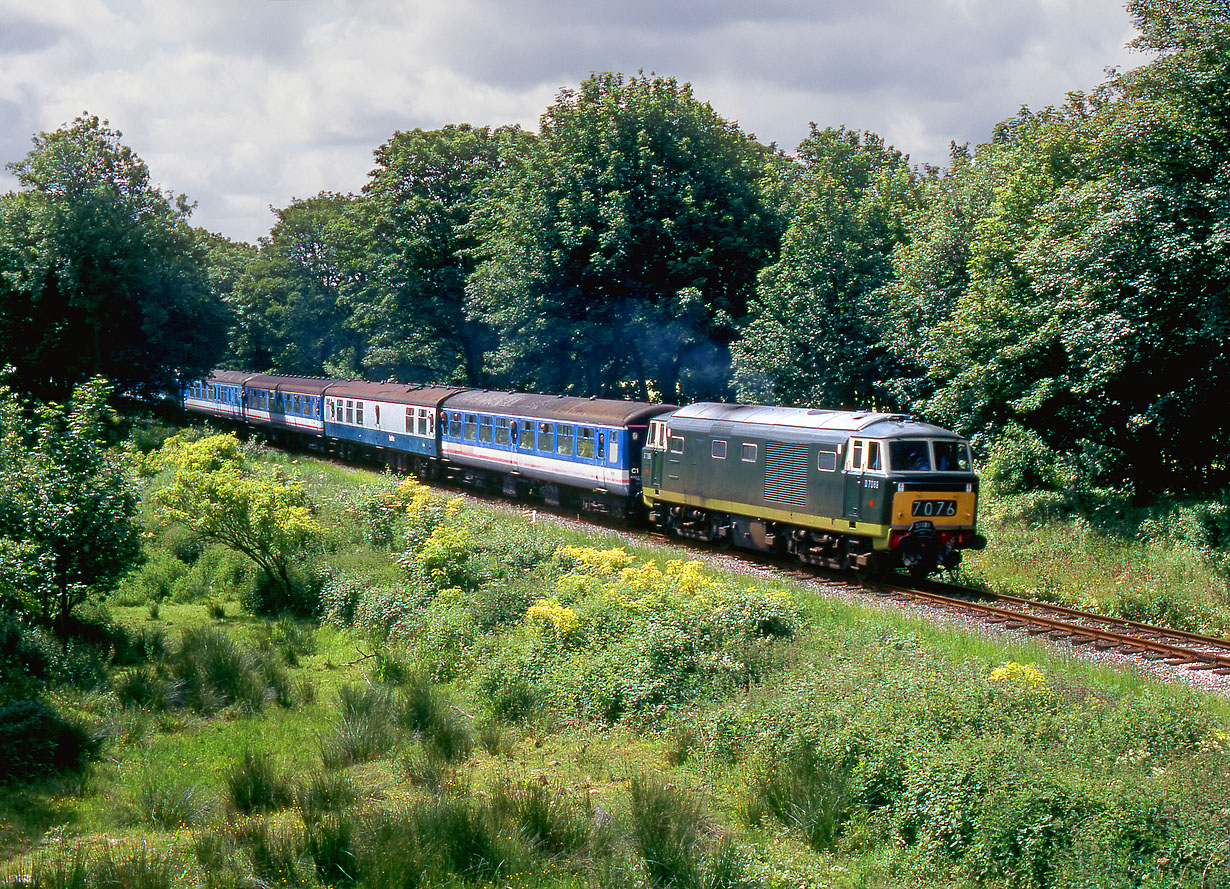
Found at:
(289, 313)
(930, 270)
(618, 255)
(99, 272)
(219, 495)
(815, 333)
(411, 239)
(1097, 316)
(67, 507)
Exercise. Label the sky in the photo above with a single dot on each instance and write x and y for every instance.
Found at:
(247, 104)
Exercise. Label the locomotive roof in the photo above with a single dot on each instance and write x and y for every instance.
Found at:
(869, 422)
(399, 393)
(599, 411)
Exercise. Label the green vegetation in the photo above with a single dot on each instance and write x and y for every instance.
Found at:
(483, 700)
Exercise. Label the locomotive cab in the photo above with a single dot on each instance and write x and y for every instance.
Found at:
(928, 500)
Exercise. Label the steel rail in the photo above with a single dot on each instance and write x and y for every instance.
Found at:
(1073, 633)
(1208, 641)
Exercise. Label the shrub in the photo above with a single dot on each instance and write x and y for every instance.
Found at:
(807, 791)
(546, 817)
(324, 792)
(169, 804)
(668, 832)
(330, 843)
(273, 856)
(254, 785)
(366, 727)
(35, 742)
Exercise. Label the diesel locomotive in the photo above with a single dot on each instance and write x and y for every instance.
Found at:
(842, 489)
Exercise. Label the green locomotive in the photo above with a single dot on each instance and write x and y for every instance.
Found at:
(840, 489)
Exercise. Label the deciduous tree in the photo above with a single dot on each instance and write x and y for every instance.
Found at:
(68, 530)
(618, 256)
(99, 271)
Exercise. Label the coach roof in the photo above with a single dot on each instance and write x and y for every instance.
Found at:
(398, 393)
(598, 411)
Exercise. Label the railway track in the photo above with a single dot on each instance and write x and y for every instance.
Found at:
(1175, 648)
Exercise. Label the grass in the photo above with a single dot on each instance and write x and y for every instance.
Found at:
(1140, 568)
(550, 723)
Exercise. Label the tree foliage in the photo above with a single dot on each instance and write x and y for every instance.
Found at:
(413, 250)
(287, 301)
(68, 530)
(1096, 313)
(815, 333)
(99, 271)
(619, 253)
(218, 494)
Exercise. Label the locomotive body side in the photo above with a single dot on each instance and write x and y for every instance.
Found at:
(834, 488)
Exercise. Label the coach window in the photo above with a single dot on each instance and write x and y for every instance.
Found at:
(601, 445)
(718, 451)
(425, 416)
(471, 433)
(563, 440)
(748, 453)
(526, 442)
(676, 443)
(546, 437)
(827, 461)
(585, 442)
(409, 420)
(484, 429)
(358, 413)
(502, 436)
(377, 416)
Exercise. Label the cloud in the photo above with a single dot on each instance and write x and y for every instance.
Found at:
(244, 104)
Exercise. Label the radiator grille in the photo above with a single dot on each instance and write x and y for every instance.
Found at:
(785, 474)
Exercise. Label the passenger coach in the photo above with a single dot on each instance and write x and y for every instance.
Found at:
(590, 445)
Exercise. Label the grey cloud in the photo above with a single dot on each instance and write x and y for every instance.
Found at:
(25, 36)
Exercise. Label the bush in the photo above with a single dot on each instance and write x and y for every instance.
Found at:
(546, 817)
(36, 742)
(253, 785)
(366, 727)
(31, 659)
(169, 804)
(807, 791)
(211, 672)
(1020, 462)
(300, 597)
(667, 832)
